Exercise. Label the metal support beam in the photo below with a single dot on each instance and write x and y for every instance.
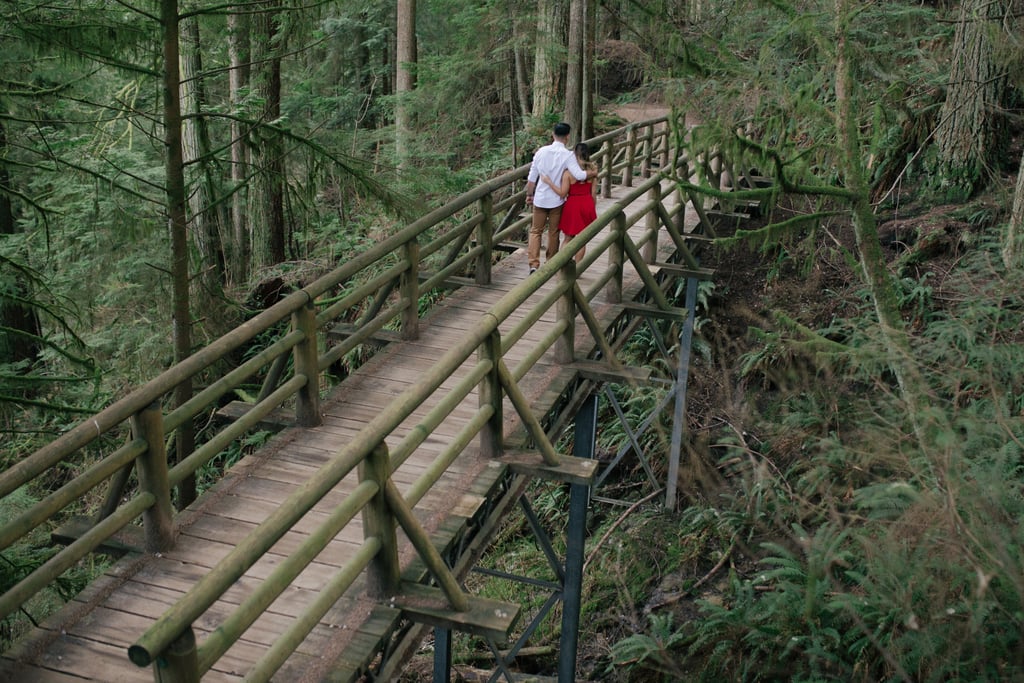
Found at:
(583, 447)
(682, 375)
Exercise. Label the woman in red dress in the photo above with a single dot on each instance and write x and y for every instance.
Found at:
(580, 208)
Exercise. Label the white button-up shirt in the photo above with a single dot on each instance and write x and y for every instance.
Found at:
(551, 160)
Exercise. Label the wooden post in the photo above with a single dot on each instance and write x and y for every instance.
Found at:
(627, 173)
(159, 519)
(179, 663)
(608, 161)
(565, 309)
(490, 393)
(307, 407)
(652, 223)
(410, 289)
(382, 575)
(645, 164)
(616, 259)
(485, 238)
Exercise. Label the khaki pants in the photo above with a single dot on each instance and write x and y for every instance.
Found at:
(542, 218)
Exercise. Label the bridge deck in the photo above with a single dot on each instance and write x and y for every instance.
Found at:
(90, 637)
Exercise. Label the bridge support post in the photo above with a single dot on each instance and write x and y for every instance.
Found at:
(584, 441)
(411, 291)
(616, 260)
(382, 575)
(307, 408)
(485, 239)
(682, 377)
(179, 663)
(159, 519)
(627, 172)
(565, 310)
(490, 394)
(652, 224)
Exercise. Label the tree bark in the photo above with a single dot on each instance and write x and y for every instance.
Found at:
(549, 62)
(237, 252)
(1013, 243)
(968, 127)
(405, 75)
(575, 59)
(204, 212)
(266, 192)
(177, 224)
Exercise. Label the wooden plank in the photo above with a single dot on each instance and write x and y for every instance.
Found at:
(276, 420)
(130, 539)
(343, 331)
(674, 314)
(684, 270)
(603, 371)
(485, 617)
(569, 469)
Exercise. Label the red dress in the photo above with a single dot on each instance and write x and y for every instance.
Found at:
(578, 211)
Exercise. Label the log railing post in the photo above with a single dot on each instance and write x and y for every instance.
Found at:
(616, 260)
(490, 394)
(179, 663)
(652, 222)
(608, 161)
(159, 519)
(627, 173)
(485, 238)
(410, 289)
(645, 163)
(565, 310)
(307, 407)
(382, 575)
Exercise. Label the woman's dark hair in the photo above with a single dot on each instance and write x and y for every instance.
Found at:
(582, 151)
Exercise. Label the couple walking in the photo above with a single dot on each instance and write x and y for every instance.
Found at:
(561, 189)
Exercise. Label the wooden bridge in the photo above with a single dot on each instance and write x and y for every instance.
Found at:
(325, 554)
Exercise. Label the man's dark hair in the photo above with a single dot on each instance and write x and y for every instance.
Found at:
(562, 130)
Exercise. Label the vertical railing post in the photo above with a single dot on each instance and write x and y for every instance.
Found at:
(608, 162)
(565, 310)
(490, 394)
(485, 238)
(159, 519)
(307, 407)
(651, 223)
(666, 142)
(616, 260)
(179, 663)
(645, 163)
(410, 288)
(627, 173)
(382, 574)
(683, 172)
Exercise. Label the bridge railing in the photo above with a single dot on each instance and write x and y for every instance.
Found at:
(385, 283)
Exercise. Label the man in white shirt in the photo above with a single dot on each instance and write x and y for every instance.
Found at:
(550, 160)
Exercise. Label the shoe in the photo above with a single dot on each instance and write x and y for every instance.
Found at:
(532, 271)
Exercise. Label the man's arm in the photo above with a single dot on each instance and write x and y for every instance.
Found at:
(531, 187)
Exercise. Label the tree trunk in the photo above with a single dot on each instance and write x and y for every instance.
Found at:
(1013, 244)
(575, 59)
(204, 212)
(177, 223)
(405, 75)
(21, 343)
(967, 132)
(266, 193)
(549, 62)
(901, 359)
(237, 251)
